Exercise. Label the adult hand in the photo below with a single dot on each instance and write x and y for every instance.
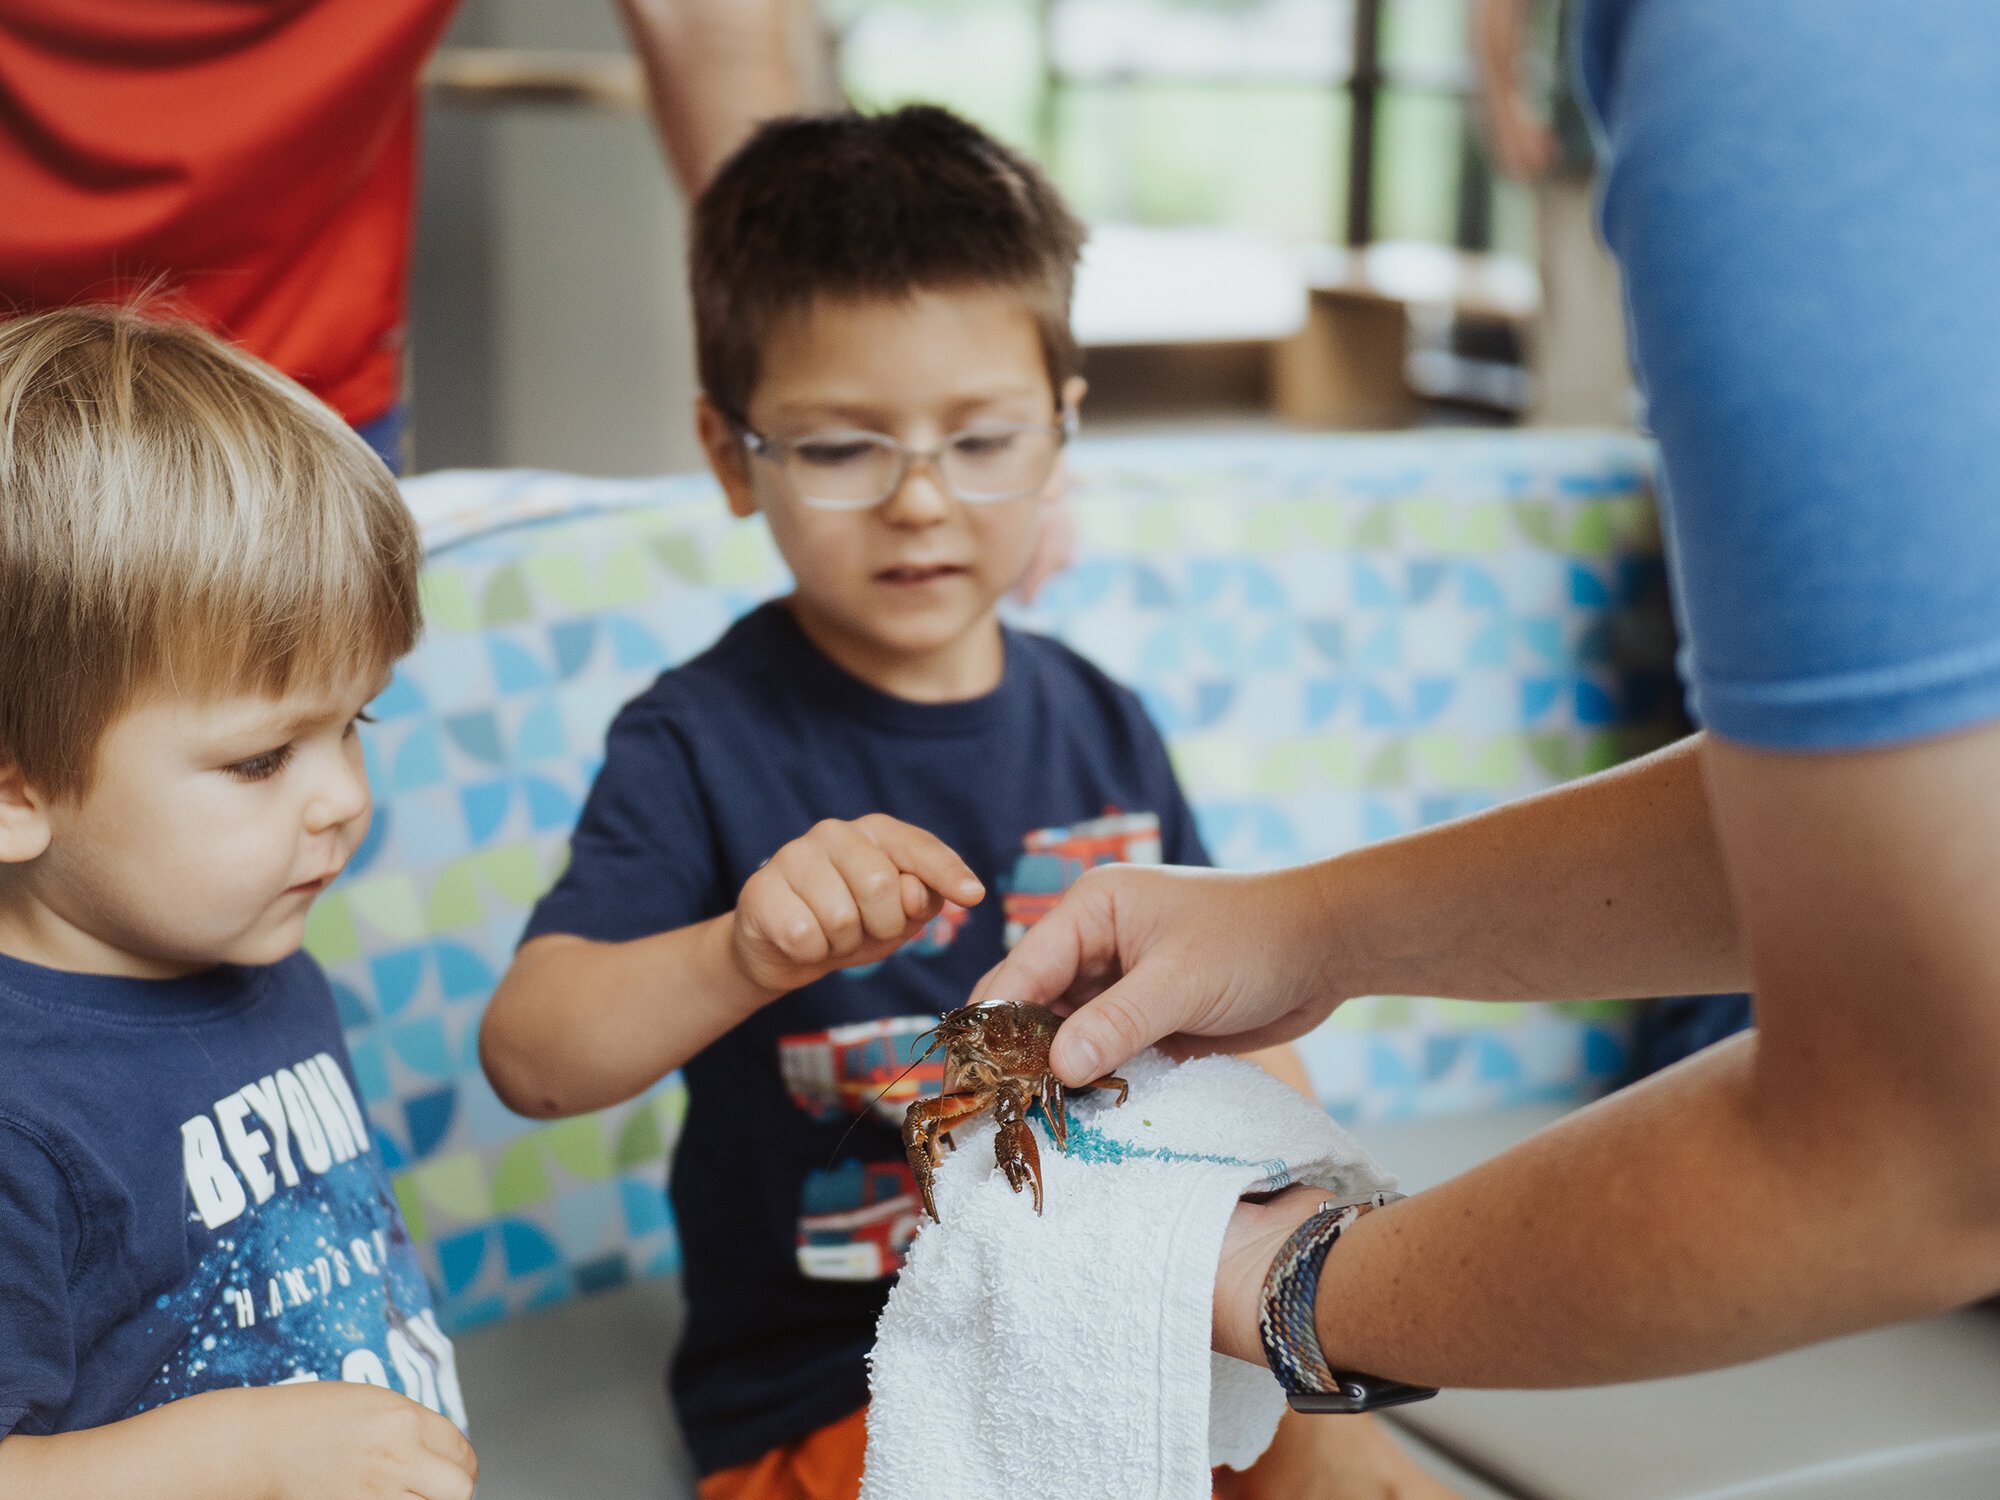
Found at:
(1206, 960)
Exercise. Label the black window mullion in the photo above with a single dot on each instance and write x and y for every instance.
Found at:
(1364, 92)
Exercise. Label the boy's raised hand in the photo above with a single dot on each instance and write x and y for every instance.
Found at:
(845, 893)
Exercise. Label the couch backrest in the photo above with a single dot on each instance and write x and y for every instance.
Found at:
(1343, 637)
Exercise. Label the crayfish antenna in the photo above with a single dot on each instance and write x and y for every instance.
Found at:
(937, 1041)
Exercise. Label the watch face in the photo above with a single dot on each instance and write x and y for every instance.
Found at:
(1358, 1393)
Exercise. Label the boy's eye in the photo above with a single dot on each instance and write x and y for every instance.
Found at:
(262, 767)
(832, 453)
(985, 444)
(364, 717)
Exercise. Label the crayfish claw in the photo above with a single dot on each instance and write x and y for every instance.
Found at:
(1015, 1150)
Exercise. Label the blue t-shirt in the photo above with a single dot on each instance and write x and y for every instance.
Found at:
(190, 1200)
(1804, 196)
(788, 1252)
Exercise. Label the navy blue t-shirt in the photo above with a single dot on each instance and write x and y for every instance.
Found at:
(787, 1253)
(190, 1200)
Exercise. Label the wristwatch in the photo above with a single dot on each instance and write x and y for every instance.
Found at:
(1291, 1336)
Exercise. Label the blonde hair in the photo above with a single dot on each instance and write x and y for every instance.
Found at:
(177, 517)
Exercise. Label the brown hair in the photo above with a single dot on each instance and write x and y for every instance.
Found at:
(863, 206)
(175, 516)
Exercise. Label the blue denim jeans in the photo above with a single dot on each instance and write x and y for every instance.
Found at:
(389, 436)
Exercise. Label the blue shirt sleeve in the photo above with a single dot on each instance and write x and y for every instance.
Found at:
(41, 1232)
(643, 857)
(1804, 196)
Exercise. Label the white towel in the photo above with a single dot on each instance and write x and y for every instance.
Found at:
(1068, 1354)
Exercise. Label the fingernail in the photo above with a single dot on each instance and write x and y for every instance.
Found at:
(1082, 1059)
(971, 887)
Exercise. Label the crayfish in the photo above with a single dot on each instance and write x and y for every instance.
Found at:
(996, 1056)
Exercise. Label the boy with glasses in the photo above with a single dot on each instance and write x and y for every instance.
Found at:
(781, 876)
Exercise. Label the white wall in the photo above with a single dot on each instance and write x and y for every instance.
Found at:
(549, 322)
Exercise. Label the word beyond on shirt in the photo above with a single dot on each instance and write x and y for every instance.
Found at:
(310, 1118)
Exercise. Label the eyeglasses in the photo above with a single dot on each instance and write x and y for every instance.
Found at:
(855, 470)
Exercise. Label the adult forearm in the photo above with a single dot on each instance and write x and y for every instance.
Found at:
(1605, 888)
(1687, 1223)
(577, 1025)
(715, 69)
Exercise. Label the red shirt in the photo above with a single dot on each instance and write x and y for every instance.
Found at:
(257, 157)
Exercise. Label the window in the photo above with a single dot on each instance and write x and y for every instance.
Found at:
(1309, 120)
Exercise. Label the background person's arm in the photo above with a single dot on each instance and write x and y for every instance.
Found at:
(1521, 142)
(715, 70)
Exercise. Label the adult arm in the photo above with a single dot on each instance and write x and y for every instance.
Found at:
(715, 69)
(1608, 887)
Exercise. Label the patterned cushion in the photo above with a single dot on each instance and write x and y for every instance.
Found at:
(1343, 637)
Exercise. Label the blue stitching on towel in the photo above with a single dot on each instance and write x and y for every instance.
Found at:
(1090, 1144)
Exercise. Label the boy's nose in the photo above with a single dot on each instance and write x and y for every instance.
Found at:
(920, 500)
(340, 798)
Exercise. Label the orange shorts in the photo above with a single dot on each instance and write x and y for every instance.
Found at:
(822, 1465)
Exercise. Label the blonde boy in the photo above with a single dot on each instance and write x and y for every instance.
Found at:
(205, 1288)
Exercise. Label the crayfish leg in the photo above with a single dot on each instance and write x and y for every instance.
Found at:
(1056, 1107)
(921, 1123)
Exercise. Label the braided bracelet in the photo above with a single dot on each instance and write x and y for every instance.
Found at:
(1291, 1333)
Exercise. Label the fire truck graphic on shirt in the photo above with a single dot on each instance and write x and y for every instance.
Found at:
(857, 1218)
(1054, 859)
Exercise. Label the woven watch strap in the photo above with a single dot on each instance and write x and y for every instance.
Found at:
(1286, 1320)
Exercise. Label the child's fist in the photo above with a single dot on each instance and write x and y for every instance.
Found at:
(332, 1440)
(844, 894)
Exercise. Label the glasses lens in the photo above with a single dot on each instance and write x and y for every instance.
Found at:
(1000, 463)
(841, 470)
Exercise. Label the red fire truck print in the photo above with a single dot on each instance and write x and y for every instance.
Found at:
(857, 1218)
(856, 1221)
(1053, 859)
(839, 1072)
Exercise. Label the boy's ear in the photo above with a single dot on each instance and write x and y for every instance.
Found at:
(727, 459)
(24, 818)
(1073, 392)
